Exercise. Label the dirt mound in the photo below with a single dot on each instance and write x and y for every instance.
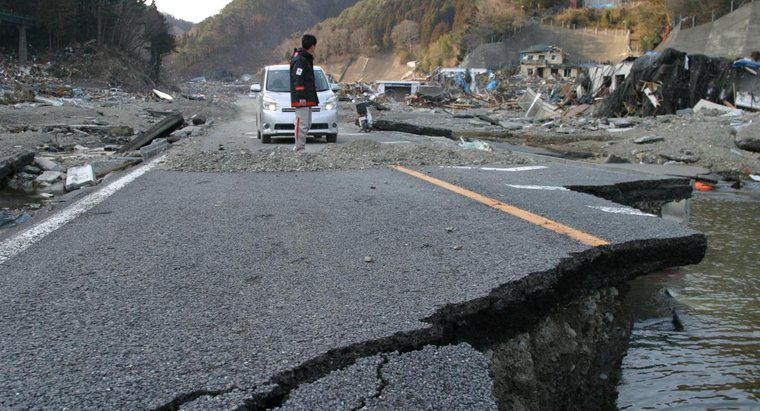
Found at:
(356, 155)
(101, 68)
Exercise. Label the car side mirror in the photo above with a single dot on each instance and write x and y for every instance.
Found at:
(256, 88)
(335, 87)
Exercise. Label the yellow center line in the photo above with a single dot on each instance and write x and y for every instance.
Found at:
(536, 219)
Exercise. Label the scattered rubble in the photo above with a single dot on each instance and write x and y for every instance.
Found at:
(662, 108)
(61, 128)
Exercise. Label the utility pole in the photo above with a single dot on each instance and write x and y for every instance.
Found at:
(99, 12)
(22, 46)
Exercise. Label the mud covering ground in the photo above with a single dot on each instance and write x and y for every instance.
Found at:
(356, 155)
(703, 140)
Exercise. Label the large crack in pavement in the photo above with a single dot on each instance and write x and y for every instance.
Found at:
(504, 312)
(495, 315)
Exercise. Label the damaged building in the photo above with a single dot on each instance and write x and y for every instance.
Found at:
(610, 76)
(544, 60)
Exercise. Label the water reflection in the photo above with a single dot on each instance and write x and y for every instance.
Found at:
(715, 362)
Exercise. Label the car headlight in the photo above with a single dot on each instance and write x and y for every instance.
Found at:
(331, 104)
(270, 105)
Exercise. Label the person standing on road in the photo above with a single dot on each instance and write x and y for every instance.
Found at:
(303, 89)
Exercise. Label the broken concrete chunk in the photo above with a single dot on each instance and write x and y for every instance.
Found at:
(475, 145)
(708, 106)
(23, 218)
(748, 137)
(681, 158)
(14, 163)
(162, 95)
(6, 218)
(198, 119)
(648, 139)
(186, 132)
(157, 147)
(49, 177)
(103, 168)
(78, 177)
(613, 159)
(487, 119)
(389, 125)
(537, 108)
(622, 122)
(47, 164)
(685, 112)
(160, 129)
(748, 144)
(30, 169)
(511, 125)
(49, 190)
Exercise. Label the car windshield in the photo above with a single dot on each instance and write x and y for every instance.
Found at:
(279, 81)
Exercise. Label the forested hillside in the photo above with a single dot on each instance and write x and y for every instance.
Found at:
(242, 38)
(131, 28)
(442, 32)
(178, 27)
(434, 31)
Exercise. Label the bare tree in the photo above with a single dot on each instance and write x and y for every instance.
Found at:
(406, 34)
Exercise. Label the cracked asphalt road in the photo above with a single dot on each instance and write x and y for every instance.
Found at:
(185, 284)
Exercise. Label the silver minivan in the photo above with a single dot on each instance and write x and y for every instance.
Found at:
(276, 118)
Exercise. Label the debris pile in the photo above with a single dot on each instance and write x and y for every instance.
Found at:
(670, 81)
(57, 136)
(356, 155)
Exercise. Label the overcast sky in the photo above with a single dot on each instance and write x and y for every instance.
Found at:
(191, 10)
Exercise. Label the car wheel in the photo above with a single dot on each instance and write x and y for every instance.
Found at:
(265, 139)
(332, 138)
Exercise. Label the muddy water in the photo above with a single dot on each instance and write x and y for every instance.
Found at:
(714, 363)
(17, 199)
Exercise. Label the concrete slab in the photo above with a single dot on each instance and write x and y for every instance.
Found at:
(248, 280)
(77, 177)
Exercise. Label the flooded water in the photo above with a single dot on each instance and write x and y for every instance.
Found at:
(17, 199)
(714, 363)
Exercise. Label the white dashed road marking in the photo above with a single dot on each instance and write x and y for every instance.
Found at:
(549, 188)
(622, 210)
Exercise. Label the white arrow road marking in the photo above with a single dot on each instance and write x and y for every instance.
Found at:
(23, 240)
(622, 210)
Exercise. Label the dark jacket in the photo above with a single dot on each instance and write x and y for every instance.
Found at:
(302, 83)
